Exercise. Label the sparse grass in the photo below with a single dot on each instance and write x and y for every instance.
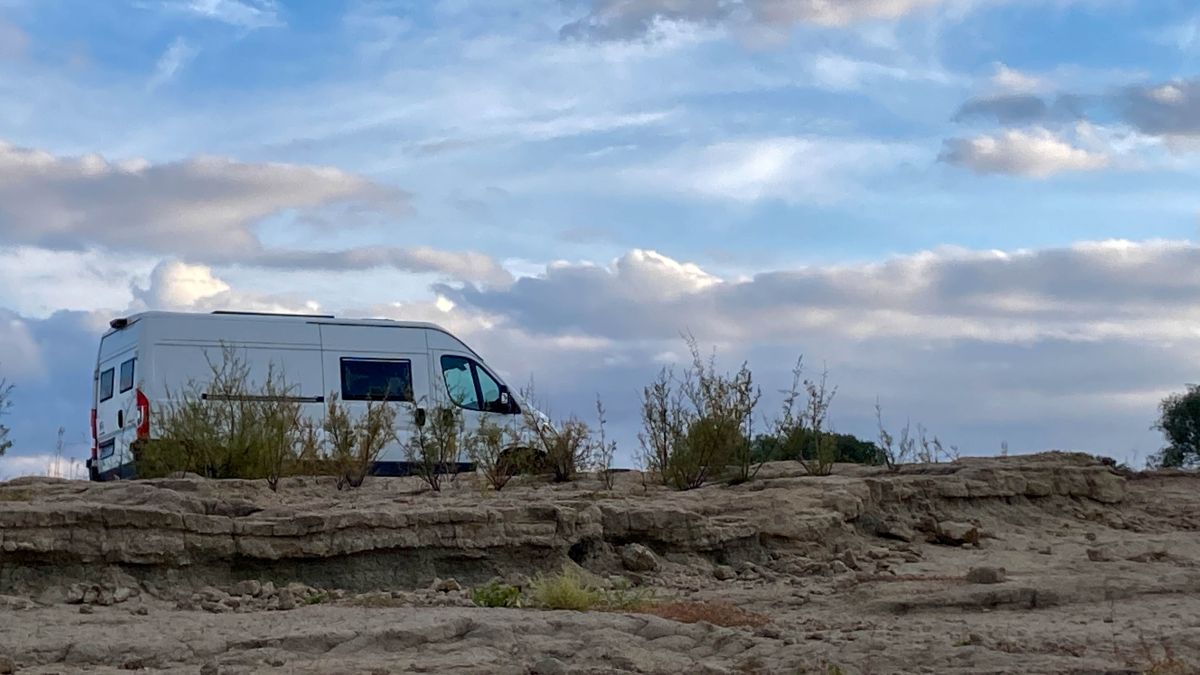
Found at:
(16, 495)
(316, 598)
(569, 589)
(496, 594)
(716, 613)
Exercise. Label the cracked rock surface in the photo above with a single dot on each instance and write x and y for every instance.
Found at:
(1052, 563)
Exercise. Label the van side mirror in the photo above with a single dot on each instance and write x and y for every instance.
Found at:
(506, 401)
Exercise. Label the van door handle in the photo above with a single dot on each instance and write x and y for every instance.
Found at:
(120, 419)
(420, 417)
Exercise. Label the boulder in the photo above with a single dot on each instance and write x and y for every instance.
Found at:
(986, 575)
(954, 533)
(638, 558)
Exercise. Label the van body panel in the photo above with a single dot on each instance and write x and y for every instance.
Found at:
(175, 355)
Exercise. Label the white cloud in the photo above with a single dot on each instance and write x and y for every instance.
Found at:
(178, 286)
(177, 56)
(791, 169)
(247, 14)
(1091, 291)
(1036, 153)
(1010, 80)
(629, 19)
(205, 205)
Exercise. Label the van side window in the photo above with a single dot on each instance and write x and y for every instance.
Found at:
(460, 382)
(127, 375)
(376, 380)
(106, 385)
(489, 389)
(472, 387)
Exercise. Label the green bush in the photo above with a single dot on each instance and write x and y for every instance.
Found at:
(496, 594)
(1180, 424)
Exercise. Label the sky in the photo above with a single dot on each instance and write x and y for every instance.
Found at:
(981, 213)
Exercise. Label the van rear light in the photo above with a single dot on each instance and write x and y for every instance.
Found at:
(143, 406)
(95, 449)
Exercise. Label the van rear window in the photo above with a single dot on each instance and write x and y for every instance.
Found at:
(106, 385)
(127, 375)
(376, 380)
(107, 447)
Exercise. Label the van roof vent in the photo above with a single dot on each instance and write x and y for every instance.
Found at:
(309, 316)
(118, 324)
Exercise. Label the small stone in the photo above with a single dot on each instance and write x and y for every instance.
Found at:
(768, 631)
(724, 572)
(548, 666)
(90, 595)
(7, 667)
(123, 593)
(286, 599)
(140, 611)
(267, 590)
(210, 668)
(638, 558)
(1099, 555)
(953, 533)
(1045, 551)
(448, 586)
(231, 602)
(839, 567)
(75, 593)
(86, 609)
(986, 575)
(848, 559)
(214, 607)
(276, 662)
(248, 587)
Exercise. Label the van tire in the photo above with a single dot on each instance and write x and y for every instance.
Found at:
(523, 460)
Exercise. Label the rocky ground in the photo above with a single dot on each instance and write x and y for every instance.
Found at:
(1044, 564)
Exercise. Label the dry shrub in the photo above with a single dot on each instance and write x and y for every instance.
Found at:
(489, 448)
(353, 445)
(563, 449)
(231, 428)
(804, 419)
(695, 426)
(603, 450)
(716, 613)
(5, 404)
(436, 443)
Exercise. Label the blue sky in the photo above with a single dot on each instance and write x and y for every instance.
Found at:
(981, 211)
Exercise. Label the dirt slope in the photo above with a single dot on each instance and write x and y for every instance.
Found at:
(860, 572)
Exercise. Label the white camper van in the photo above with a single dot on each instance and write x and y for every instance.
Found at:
(146, 357)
